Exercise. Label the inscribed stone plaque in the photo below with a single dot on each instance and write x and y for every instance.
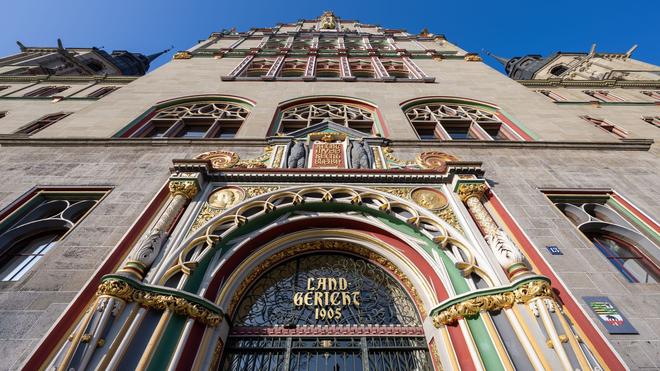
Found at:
(328, 156)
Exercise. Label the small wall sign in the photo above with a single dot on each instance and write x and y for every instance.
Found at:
(609, 315)
(554, 250)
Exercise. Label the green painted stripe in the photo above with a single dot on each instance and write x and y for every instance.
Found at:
(484, 344)
(520, 125)
(632, 218)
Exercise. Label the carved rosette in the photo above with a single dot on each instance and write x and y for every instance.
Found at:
(220, 159)
(494, 302)
(434, 160)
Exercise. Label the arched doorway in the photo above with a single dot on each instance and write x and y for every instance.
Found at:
(326, 310)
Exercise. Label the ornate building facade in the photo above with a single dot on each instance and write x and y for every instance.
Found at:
(328, 195)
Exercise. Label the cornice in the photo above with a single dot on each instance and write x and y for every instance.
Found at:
(654, 84)
(10, 140)
(53, 78)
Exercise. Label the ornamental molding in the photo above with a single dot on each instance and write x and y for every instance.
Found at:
(473, 303)
(434, 160)
(468, 190)
(185, 188)
(472, 57)
(149, 297)
(182, 55)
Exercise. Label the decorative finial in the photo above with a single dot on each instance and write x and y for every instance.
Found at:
(503, 61)
(328, 20)
(59, 44)
(424, 32)
(20, 45)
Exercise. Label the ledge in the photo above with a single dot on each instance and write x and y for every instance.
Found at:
(53, 78)
(592, 83)
(18, 140)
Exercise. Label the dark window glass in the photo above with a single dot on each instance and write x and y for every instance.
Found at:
(46, 91)
(625, 258)
(193, 131)
(458, 132)
(43, 123)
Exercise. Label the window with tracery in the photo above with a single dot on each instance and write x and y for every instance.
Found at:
(204, 119)
(354, 116)
(618, 235)
(358, 294)
(446, 121)
(34, 229)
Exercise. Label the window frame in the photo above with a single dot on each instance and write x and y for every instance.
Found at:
(607, 126)
(42, 123)
(12, 215)
(52, 90)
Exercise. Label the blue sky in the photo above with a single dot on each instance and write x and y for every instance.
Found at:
(507, 28)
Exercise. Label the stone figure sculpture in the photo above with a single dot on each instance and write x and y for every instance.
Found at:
(297, 155)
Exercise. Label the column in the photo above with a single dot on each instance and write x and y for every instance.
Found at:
(507, 254)
(143, 255)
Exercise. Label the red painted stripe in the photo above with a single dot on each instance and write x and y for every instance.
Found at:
(585, 324)
(636, 212)
(49, 343)
(191, 348)
(513, 126)
(460, 347)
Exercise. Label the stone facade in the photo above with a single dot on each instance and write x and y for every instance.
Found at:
(83, 150)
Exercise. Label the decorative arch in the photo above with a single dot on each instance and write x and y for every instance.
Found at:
(354, 113)
(454, 118)
(197, 116)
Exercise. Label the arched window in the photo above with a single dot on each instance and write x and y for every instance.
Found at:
(198, 118)
(558, 70)
(356, 115)
(616, 238)
(34, 229)
(310, 312)
(450, 119)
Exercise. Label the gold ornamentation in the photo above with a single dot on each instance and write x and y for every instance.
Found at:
(326, 246)
(448, 215)
(277, 160)
(387, 152)
(207, 213)
(226, 197)
(434, 160)
(429, 198)
(403, 192)
(186, 188)
(151, 300)
(257, 191)
(327, 137)
(328, 21)
(220, 159)
(468, 190)
(182, 55)
(472, 57)
(493, 302)
(424, 32)
(256, 163)
(378, 162)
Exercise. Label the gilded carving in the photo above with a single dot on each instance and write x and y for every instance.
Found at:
(186, 188)
(468, 190)
(387, 152)
(207, 213)
(182, 55)
(152, 300)
(470, 307)
(217, 352)
(447, 214)
(481, 216)
(472, 57)
(403, 192)
(429, 198)
(277, 159)
(327, 137)
(434, 160)
(220, 159)
(226, 197)
(326, 246)
(328, 20)
(257, 191)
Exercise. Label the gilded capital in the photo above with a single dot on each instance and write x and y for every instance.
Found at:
(468, 190)
(186, 188)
